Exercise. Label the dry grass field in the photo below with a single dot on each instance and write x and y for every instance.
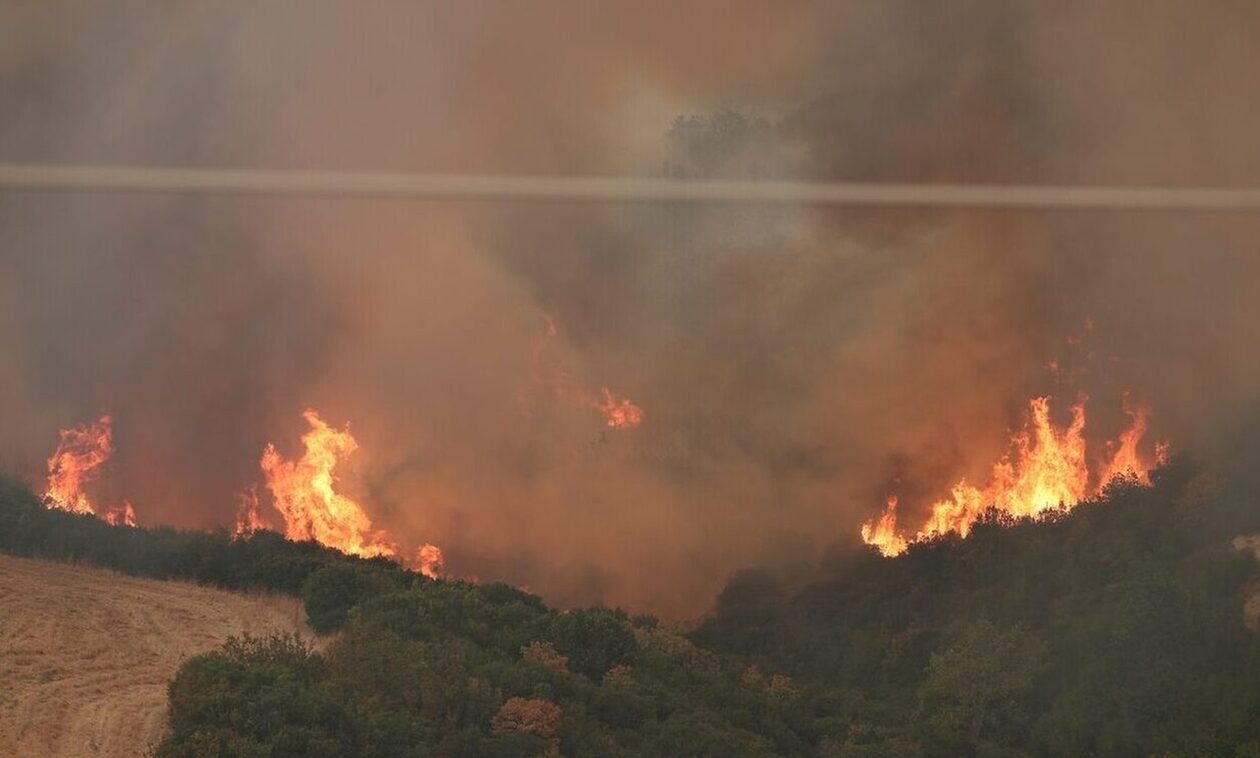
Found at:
(85, 654)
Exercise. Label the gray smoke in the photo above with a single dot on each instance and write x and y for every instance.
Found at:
(794, 363)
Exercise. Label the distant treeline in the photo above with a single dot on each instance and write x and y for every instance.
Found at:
(1117, 629)
(265, 562)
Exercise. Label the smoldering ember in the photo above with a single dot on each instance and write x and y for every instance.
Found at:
(629, 378)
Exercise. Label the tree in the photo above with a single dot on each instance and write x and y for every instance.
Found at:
(332, 591)
(594, 639)
(540, 718)
(976, 682)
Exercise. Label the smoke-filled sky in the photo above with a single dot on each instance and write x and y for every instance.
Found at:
(794, 365)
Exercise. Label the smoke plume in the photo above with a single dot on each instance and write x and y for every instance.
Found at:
(794, 365)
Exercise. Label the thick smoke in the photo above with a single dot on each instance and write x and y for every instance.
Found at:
(795, 365)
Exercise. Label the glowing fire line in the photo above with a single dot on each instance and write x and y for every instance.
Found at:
(1045, 472)
(303, 491)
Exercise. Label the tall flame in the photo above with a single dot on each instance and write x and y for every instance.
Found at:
(304, 493)
(248, 516)
(76, 462)
(1046, 471)
(882, 532)
(1126, 461)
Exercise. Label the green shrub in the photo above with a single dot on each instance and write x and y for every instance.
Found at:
(593, 639)
(331, 592)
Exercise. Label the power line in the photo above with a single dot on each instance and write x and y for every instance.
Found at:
(617, 189)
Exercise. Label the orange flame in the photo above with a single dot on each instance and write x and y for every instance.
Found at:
(1126, 461)
(120, 515)
(1046, 472)
(619, 412)
(429, 560)
(1162, 450)
(304, 493)
(882, 532)
(76, 461)
(248, 518)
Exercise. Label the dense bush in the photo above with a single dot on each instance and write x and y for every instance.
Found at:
(421, 667)
(333, 590)
(1116, 630)
(438, 668)
(262, 697)
(593, 639)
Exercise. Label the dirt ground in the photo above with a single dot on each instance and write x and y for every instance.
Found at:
(85, 654)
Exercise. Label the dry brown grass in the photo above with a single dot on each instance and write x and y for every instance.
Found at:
(85, 654)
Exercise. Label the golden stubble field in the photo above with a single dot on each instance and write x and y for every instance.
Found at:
(85, 654)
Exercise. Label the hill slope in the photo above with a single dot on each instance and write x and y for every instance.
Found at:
(1117, 629)
(86, 654)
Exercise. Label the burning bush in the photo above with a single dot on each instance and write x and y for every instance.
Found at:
(1045, 473)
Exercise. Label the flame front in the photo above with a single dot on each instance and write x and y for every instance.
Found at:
(1047, 471)
(304, 493)
(76, 462)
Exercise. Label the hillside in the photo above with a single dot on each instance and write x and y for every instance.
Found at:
(421, 666)
(1122, 628)
(1116, 629)
(86, 654)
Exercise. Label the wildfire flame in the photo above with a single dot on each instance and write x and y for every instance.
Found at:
(429, 560)
(120, 515)
(882, 532)
(619, 412)
(1126, 461)
(248, 517)
(76, 461)
(304, 493)
(1047, 471)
